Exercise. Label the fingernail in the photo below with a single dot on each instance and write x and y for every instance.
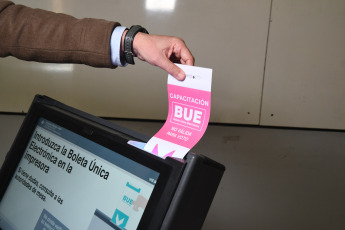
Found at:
(181, 76)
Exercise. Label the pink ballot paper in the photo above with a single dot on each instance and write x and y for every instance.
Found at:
(189, 113)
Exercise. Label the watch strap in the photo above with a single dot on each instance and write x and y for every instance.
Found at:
(129, 38)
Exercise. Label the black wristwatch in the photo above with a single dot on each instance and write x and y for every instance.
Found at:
(129, 38)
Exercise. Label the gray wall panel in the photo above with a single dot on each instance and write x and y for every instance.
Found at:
(305, 72)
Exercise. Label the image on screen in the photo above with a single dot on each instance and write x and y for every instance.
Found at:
(65, 181)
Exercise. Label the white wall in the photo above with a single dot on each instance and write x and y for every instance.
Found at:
(283, 70)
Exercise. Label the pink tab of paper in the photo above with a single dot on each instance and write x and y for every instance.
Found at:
(189, 114)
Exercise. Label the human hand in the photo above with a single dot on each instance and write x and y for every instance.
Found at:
(163, 51)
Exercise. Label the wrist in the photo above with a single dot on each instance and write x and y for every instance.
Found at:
(123, 41)
(137, 42)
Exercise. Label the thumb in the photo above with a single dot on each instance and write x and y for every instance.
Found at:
(173, 70)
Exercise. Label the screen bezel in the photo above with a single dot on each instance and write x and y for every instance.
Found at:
(106, 134)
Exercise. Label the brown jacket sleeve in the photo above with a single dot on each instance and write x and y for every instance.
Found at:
(43, 36)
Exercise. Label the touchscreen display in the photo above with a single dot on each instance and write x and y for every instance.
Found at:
(65, 181)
